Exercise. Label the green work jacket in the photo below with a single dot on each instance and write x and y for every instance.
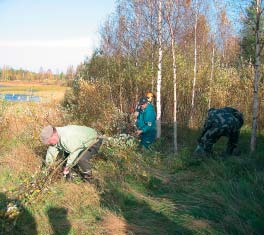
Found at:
(72, 140)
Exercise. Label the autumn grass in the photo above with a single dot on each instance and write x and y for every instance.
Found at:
(192, 196)
(133, 192)
(62, 207)
(139, 193)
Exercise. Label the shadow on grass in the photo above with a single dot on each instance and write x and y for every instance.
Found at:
(220, 196)
(15, 219)
(226, 193)
(140, 217)
(59, 221)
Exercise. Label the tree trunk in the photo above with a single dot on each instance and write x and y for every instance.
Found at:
(175, 142)
(109, 80)
(195, 64)
(256, 81)
(211, 80)
(159, 77)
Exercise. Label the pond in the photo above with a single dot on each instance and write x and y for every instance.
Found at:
(20, 97)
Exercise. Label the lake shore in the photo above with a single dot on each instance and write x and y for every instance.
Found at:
(54, 90)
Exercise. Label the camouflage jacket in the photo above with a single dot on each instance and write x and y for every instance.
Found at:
(228, 119)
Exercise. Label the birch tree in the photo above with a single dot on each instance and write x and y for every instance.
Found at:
(159, 75)
(195, 61)
(169, 12)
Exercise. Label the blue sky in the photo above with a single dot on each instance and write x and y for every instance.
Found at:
(50, 33)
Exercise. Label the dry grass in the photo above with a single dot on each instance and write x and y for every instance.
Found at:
(80, 201)
(22, 150)
(77, 196)
(200, 224)
(48, 93)
(22, 159)
(23, 124)
(23, 118)
(114, 225)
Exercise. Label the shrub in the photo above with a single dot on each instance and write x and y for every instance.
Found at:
(88, 104)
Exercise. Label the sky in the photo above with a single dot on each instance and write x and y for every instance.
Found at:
(52, 34)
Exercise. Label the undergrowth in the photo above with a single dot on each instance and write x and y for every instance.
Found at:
(158, 194)
(133, 191)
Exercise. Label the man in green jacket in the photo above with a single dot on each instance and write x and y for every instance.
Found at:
(79, 143)
(146, 123)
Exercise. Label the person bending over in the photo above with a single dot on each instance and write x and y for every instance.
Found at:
(220, 122)
(77, 143)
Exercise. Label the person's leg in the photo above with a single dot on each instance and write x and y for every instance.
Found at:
(83, 163)
(232, 142)
(210, 137)
(85, 157)
(143, 143)
(146, 139)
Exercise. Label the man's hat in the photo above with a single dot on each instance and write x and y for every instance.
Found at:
(150, 95)
(143, 100)
(46, 133)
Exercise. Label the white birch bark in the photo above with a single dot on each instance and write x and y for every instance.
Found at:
(195, 62)
(159, 76)
(175, 142)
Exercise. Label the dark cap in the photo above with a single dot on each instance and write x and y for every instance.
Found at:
(46, 133)
(143, 100)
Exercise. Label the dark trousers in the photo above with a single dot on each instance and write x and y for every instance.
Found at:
(86, 156)
(212, 135)
(148, 138)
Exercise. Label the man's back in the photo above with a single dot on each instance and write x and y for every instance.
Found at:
(224, 118)
(146, 117)
(72, 137)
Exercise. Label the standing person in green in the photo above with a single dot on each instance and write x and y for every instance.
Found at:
(146, 123)
(79, 143)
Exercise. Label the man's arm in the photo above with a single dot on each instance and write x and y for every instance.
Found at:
(51, 155)
(207, 126)
(149, 120)
(72, 157)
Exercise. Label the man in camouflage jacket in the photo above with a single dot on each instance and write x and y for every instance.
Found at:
(220, 122)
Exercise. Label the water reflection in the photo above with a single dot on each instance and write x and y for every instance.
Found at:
(20, 97)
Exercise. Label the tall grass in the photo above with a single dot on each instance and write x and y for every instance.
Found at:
(133, 191)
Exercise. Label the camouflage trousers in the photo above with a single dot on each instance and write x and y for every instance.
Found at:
(212, 135)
